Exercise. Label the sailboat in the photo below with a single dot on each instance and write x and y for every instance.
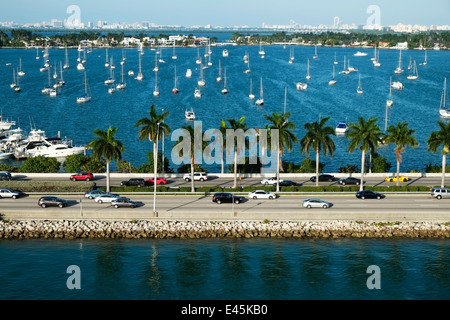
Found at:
(198, 60)
(156, 91)
(251, 95)
(376, 62)
(248, 67)
(345, 70)
(111, 79)
(48, 88)
(112, 65)
(308, 76)
(390, 101)
(155, 69)
(80, 65)
(161, 60)
(140, 76)
(359, 90)
(399, 69)
(37, 54)
(66, 64)
(175, 88)
(261, 50)
(84, 97)
(201, 81)
(84, 56)
(335, 61)
(123, 84)
(197, 93)
(107, 59)
(260, 101)
(225, 90)
(61, 81)
(291, 55)
(174, 56)
(415, 74)
(20, 72)
(219, 77)
(333, 80)
(443, 111)
(14, 83)
(55, 74)
(425, 62)
(315, 53)
(17, 86)
(410, 63)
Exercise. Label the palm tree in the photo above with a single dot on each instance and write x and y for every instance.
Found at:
(235, 125)
(223, 129)
(107, 147)
(401, 136)
(438, 138)
(318, 137)
(190, 131)
(367, 135)
(154, 128)
(286, 138)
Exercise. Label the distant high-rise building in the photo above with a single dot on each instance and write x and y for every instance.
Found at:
(336, 23)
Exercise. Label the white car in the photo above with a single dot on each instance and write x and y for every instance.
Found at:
(106, 198)
(8, 193)
(261, 194)
(270, 181)
(316, 203)
(198, 176)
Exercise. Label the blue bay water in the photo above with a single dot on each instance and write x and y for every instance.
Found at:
(417, 104)
(225, 269)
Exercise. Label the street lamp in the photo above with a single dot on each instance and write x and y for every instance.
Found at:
(162, 155)
(155, 159)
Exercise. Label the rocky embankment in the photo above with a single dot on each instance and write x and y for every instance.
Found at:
(213, 229)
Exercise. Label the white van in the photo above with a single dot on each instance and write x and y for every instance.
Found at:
(198, 176)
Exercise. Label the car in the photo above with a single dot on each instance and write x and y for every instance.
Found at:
(323, 177)
(198, 176)
(316, 203)
(93, 194)
(108, 197)
(87, 176)
(123, 202)
(135, 182)
(287, 183)
(394, 179)
(226, 197)
(440, 193)
(49, 201)
(261, 194)
(159, 180)
(349, 180)
(5, 175)
(270, 181)
(369, 194)
(9, 193)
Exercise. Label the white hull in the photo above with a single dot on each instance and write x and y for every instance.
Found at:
(55, 151)
(444, 113)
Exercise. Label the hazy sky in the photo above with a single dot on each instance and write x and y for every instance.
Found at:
(230, 12)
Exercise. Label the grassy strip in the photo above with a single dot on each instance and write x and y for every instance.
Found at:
(49, 186)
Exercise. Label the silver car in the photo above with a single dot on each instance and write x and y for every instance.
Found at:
(261, 194)
(440, 193)
(8, 193)
(106, 198)
(316, 203)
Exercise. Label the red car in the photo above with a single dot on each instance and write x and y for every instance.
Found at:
(158, 181)
(87, 176)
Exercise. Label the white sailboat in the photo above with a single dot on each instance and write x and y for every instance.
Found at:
(111, 64)
(140, 77)
(48, 88)
(61, 81)
(225, 90)
(397, 85)
(376, 62)
(399, 69)
(156, 91)
(219, 77)
(37, 54)
(415, 74)
(66, 64)
(410, 63)
(111, 79)
(161, 60)
(390, 101)
(359, 90)
(308, 76)
(260, 101)
(123, 84)
(107, 59)
(315, 53)
(291, 55)
(55, 74)
(261, 49)
(175, 87)
(246, 71)
(198, 60)
(335, 61)
(14, 82)
(156, 69)
(17, 86)
(85, 97)
(443, 111)
(251, 95)
(174, 55)
(333, 80)
(425, 62)
(201, 81)
(20, 72)
(345, 70)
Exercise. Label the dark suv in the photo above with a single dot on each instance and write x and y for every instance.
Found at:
(323, 177)
(5, 176)
(52, 202)
(225, 197)
(133, 182)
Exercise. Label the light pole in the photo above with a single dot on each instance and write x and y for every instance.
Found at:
(162, 155)
(155, 160)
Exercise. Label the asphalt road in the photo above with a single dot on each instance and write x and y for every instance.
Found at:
(415, 207)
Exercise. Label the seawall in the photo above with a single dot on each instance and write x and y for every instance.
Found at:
(72, 229)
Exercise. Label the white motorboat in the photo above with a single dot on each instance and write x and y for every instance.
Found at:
(189, 114)
(5, 155)
(225, 53)
(302, 86)
(197, 93)
(52, 149)
(397, 85)
(6, 124)
(188, 73)
(342, 127)
(360, 54)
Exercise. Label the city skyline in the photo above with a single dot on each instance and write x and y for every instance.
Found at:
(251, 13)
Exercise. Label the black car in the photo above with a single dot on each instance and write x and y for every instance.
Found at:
(323, 177)
(123, 202)
(136, 182)
(52, 202)
(5, 176)
(287, 183)
(225, 197)
(369, 194)
(350, 180)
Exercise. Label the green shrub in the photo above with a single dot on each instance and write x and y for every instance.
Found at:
(49, 186)
(40, 164)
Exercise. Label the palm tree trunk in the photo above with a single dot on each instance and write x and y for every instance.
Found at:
(278, 171)
(155, 172)
(317, 167)
(235, 168)
(192, 176)
(362, 170)
(398, 173)
(444, 160)
(223, 163)
(370, 161)
(108, 188)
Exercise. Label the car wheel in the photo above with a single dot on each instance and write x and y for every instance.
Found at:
(343, 183)
(378, 197)
(236, 201)
(324, 206)
(266, 183)
(90, 197)
(391, 180)
(88, 179)
(218, 202)
(14, 197)
(255, 198)
(73, 179)
(60, 205)
(439, 197)
(308, 206)
(363, 197)
(202, 179)
(187, 179)
(270, 198)
(43, 205)
(116, 206)
(357, 183)
(100, 201)
(330, 180)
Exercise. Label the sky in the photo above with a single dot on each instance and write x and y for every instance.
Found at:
(231, 12)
